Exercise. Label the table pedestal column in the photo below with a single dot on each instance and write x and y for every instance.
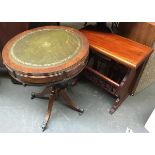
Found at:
(52, 92)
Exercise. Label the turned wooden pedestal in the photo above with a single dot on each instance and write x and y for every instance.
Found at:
(115, 64)
(51, 92)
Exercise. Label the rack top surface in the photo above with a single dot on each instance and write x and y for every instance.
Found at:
(122, 50)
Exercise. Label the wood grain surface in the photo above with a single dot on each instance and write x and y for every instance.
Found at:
(122, 50)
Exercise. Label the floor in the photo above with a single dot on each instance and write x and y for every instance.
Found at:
(18, 113)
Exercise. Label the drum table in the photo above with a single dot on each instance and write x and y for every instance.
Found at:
(50, 56)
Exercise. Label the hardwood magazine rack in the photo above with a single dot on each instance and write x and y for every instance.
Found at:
(115, 64)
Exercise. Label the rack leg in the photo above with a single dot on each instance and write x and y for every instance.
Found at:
(116, 104)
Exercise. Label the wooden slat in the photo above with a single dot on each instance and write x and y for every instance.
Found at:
(102, 76)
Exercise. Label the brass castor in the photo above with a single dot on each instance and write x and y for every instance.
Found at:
(81, 111)
(44, 126)
(112, 110)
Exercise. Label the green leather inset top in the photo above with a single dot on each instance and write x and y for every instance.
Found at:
(46, 47)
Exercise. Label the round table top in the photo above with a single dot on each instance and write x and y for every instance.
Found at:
(45, 49)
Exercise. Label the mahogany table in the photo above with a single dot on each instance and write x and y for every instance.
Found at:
(50, 56)
(116, 64)
(144, 33)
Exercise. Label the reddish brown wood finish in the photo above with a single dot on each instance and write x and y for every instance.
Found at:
(120, 51)
(63, 75)
(51, 74)
(52, 93)
(123, 50)
(40, 71)
(55, 77)
(89, 69)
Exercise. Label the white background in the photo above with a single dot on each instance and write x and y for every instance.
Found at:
(77, 11)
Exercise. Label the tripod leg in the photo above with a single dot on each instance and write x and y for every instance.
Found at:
(48, 113)
(69, 102)
(41, 94)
